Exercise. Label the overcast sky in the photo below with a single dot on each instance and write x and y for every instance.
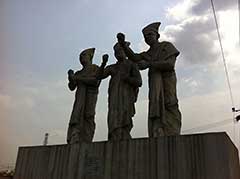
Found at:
(41, 40)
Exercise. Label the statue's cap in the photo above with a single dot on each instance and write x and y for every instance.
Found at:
(89, 51)
(151, 27)
(117, 46)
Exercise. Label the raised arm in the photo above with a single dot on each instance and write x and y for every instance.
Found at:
(129, 52)
(103, 72)
(71, 84)
(168, 61)
(165, 65)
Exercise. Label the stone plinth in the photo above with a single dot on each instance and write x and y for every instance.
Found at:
(199, 156)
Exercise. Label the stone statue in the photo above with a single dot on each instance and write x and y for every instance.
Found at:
(164, 117)
(82, 126)
(122, 93)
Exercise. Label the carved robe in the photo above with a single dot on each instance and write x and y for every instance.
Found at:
(122, 94)
(82, 124)
(163, 103)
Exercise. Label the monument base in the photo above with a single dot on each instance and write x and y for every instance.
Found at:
(198, 156)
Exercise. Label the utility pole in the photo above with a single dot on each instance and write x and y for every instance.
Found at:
(45, 141)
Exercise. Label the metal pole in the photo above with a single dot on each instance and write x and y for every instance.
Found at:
(45, 142)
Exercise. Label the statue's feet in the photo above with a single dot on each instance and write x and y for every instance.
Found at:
(74, 139)
(159, 132)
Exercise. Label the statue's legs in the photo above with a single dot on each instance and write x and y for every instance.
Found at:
(77, 134)
(83, 132)
(173, 120)
(73, 134)
(155, 127)
(171, 125)
(89, 129)
(120, 134)
(89, 117)
(82, 124)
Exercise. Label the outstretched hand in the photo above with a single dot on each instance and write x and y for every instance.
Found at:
(105, 59)
(144, 64)
(70, 74)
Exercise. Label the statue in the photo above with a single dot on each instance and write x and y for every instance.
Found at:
(82, 125)
(122, 93)
(164, 117)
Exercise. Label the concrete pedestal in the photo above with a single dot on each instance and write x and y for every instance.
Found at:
(199, 156)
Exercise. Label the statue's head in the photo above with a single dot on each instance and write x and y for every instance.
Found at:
(86, 56)
(150, 33)
(119, 52)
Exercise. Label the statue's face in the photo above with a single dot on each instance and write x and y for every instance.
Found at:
(150, 37)
(120, 54)
(85, 59)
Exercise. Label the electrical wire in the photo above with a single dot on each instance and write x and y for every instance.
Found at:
(225, 67)
(223, 56)
(224, 122)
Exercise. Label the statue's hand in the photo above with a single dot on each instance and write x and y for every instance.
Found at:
(144, 64)
(70, 72)
(70, 75)
(121, 38)
(105, 59)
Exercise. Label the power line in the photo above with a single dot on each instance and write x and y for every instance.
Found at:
(221, 123)
(223, 56)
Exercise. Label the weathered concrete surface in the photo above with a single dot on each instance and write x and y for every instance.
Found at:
(199, 156)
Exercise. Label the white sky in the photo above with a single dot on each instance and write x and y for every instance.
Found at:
(41, 40)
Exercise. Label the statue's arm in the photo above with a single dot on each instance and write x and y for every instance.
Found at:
(141, 59)
(128, 51)
(103, 72)
(135, 79)
(135, 57)
(72, 85)
(165, 65)
(91, 80)
(169, 61)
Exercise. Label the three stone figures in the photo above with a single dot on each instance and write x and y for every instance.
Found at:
(164, 117)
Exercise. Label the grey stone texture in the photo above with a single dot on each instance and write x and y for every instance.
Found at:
(82, 122)
(164, 116)
(199, 156)
(122, 93)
